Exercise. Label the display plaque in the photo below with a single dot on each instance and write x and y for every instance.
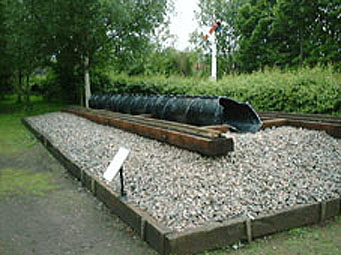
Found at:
(116, 164)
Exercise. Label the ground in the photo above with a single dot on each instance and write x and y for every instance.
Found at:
(45, 211)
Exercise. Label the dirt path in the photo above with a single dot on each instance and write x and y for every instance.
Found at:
(44, 211)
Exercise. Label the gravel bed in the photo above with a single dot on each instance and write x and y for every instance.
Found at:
(273, 169)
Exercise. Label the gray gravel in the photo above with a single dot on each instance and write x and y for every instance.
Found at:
(273, 169)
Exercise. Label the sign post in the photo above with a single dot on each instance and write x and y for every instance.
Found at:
(122, 182)
(214, 29)
(214, 58)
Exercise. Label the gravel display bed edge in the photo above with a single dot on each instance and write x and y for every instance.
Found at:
(268, 171)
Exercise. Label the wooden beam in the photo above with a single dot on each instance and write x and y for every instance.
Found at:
(181, 127)
(331, 129)
(210, 146)
(221, 128)
(274, 123)
(301, 116)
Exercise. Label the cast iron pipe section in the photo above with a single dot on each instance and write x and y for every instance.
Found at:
(194, 110)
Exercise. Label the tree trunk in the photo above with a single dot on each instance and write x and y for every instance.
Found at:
(81, 96)
(301, 47)
(87, 81)
(27, 90)
(19, 98)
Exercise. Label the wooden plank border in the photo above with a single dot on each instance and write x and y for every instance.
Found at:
(211, 236)
(219, 235)
(330, 124)
(215, 146)
(301, 116)
(330, 128)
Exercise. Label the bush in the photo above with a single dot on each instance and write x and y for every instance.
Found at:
(307, 90)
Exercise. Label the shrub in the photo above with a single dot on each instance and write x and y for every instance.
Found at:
(316, 90)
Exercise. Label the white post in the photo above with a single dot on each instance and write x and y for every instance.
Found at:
(214, 58)
(87, 81)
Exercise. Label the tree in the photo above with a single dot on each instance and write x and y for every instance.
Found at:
(255, 43)
(21, 44)
(168, 62)
(224, 11)
(310, 34)
(75, 36)
(294, 23)
(99, 29)
(288, 33)
(326, 34)
(5, 69)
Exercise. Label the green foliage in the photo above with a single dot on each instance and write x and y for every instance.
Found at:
(306, 90)
(20, 47)
(5, 69)
(288, 34)
(315, 90)
(226, 12)
(53, 91)
(256, 46)
(99, 80)
(73, 37)
(169, 62)
(260, 33)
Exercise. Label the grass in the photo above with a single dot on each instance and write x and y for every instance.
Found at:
(14, 140)
(13, 135)
(322, 239)
(16, 181)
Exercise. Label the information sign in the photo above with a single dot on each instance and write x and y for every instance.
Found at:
(116, 164)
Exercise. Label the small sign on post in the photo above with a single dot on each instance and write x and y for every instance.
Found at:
(116, 166)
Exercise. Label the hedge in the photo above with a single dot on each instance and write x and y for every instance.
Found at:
(316, 90)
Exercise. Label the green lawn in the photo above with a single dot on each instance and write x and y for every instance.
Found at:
(13, 135)
(322, 239)
(15, 139)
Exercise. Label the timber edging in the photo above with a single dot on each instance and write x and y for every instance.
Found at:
(205, 142)
(211, 236)
(330, 124)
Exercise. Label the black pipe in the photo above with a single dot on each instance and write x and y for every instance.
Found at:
(195, 110)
